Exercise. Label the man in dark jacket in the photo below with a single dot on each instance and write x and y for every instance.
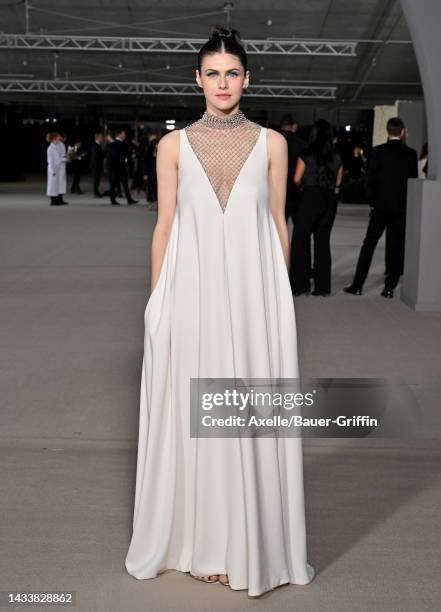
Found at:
(391, 165)
(116, 154)
(288, 127)
(96, 163)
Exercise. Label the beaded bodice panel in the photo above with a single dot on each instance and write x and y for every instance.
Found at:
(222, 146)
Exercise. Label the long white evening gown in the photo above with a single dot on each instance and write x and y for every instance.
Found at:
(222, 307)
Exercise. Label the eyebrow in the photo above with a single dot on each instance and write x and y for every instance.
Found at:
(216, 70)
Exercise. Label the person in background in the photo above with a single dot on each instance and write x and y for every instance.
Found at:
(96, 163)
(354, 178)
(108, 138)
(63, 151)
(357, 163)
(56, 169)
(422, 174)
(116, 165)
(137, 181)
(390, 167)
(423, 162)
(76, 155)
(150, 177)
(289, 127)
(319, 173)
(131, 150)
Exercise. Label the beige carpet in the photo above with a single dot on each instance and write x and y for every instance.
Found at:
(74, 285)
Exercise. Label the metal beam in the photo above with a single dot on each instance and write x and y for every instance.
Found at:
(125, 44)
(143, 88)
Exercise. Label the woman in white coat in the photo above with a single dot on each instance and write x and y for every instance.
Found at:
(56, 169)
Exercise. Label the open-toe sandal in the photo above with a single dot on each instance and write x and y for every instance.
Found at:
(200, 579)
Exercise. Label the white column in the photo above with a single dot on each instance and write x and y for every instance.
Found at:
(421, 287)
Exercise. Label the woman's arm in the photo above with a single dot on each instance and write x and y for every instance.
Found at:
(167, 171)
(277, 175)
(339, 178)
(300, 171)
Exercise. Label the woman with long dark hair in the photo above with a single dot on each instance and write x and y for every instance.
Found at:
(227, 508)
(319, 173)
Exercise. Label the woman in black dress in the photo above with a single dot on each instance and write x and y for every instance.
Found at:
(318, 173)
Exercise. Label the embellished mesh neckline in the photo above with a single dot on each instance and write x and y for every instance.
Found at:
(229, 121)
(222, 151)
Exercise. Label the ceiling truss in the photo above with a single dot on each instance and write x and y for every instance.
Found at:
(145, 88)
(124, 44)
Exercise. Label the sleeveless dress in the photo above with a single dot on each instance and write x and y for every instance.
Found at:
(222, 307)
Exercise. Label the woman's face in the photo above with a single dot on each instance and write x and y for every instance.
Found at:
(222, 78)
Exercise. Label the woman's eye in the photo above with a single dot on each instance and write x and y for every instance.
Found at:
(230, 74)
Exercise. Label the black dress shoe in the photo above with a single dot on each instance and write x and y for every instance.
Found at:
(132, 201)
(320, 293)
(98, 195)
(353, 289)
(114, 202)
(387, 293)
(297, 293)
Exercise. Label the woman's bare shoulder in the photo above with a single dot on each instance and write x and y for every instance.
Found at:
(276, 143)
(169, 144)
(276, 139)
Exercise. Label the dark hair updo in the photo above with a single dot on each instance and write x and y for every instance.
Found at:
(221, 40)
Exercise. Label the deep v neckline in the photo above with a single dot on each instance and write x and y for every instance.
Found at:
(236, 180)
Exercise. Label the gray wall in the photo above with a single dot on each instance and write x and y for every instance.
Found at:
(414, 116)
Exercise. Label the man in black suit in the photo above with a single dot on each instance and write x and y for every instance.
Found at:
(96, 163)
(390, 166)
(116, 154)
(289, 127)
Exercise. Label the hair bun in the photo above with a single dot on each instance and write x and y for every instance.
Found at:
(219, 31)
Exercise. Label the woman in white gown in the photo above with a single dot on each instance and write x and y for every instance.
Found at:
(228, 510)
